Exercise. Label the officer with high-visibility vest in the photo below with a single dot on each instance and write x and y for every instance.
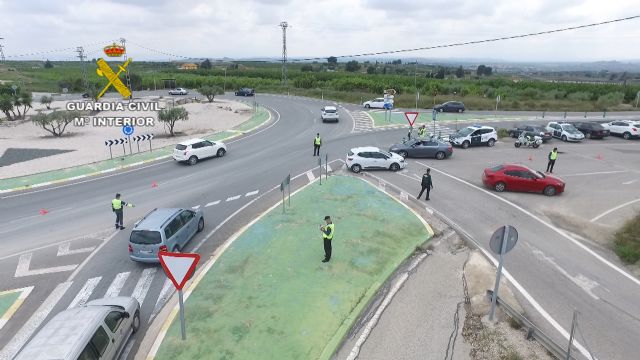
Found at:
(317, 141)
(422, 132)
(327, 236)
(116, 206)
(553, 156)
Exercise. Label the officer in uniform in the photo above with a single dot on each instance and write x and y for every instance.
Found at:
(327, 236)
(316, 145)
(426, 184)
(116, 206)
(553, 156)
(422, 132)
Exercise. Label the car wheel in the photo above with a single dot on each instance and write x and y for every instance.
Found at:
(536, 145)
(366, 106)
(500, 186)
(465, 144)
(588, 135)
(200, 224)
(356, 168)
(394, 167)
(440, 155)
(564, 138)
(193, 160)
(135, 323)
(626, 136)
(517, 144)
(221, 152)
(404, 154)
(549, 191)
(460, 110)
(491, 142)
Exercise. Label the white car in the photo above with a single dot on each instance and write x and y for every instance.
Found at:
(625, 128)
(369, 157)
(178, 91)
(564, 131)
(473, 136)
(194, 150)
(377, 103)
(329, 113)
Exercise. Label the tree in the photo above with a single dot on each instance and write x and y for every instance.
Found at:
(170, 116)
(57, 121)
(440, 73)
(352, 66)
(488, 70)
(396, 62)
(16, 106)
(306, 68)
(46, 101)
(480, 70)
(371, 70)
(332, 61)
(48, 64)
(206, 64)
(210, 91)
(135, 81)
(6, 106)
(459, 72)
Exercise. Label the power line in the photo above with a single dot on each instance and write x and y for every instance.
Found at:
(160, 52)
(479, 41)
(74, 48)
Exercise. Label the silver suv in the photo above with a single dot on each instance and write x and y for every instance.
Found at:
(163, 230)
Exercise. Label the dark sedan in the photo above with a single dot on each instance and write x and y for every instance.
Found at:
(423, 148)
(450, 106)
(245, 92)
(591, 130)
(538, 130)
(513, 177)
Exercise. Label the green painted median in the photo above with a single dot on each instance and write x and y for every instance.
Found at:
(7, 299)
(269, 296)
(398, 118)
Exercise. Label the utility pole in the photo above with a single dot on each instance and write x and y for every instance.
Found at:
(126, 71)
(1, 52)
(284, 26)
(80, 51)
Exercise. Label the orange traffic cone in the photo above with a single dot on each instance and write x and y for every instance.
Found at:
(43, 211)
(599, 157)
(530, 158)
(154, 184)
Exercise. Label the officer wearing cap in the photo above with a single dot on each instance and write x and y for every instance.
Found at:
(327, 235)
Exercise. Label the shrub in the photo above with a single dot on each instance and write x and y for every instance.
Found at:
(502, 133)
(627, 240)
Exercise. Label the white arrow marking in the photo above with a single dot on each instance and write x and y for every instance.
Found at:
(329, 168)
(251, 193)
(142, 287)
(213, 203)
(117, 284)
(233, 198)
(63, 250)
(85, 292)
(310, 176)
(25, 261)
(629, 182)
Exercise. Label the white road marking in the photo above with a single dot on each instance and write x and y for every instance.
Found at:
(213, 203)
(21, 337)
(41, 247)
(310, 176)
(404, 196)
(429, 210)
(167, 289)
(25, 260)
(63, 249)
(24, 292)
(596, 173)
(329, 168)
(85, 292)
(251, 193)
(143, 285)
(117, 284)
(233, 198)
(86, 261)
(629, 182)
(613, 209)
(196, 207)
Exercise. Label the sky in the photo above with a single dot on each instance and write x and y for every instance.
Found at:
(173, 30)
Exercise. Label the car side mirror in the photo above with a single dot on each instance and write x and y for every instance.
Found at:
(125, 315)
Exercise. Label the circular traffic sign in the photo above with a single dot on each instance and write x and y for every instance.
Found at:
(127, 130)
(496, 239)
(14, 86)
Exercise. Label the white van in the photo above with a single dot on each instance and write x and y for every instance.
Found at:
(98, 330)
(330, 113)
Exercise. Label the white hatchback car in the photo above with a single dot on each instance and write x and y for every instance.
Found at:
(377, 103)
(178, 91)
(194, 150)
(370, 157)
(330, 113)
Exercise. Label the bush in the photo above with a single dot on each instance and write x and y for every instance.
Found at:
(627, 241)
(580, 96)
(502, 133)
(609, 100)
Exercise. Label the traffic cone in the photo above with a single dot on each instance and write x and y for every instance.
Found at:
(599, 157)
(43, 211)
(154, 184)
(530, 158)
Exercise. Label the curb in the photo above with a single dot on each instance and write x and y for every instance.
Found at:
(47, 183)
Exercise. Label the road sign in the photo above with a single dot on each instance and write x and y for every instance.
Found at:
(178, 266)
(498, 98)
(127, 130)
(411, 117)
(496, 239)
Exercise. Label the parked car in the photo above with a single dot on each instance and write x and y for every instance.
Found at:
(369, 157)
(430, 148)
(195, 150)
(591, 130)
(564, 131)
(514, 177)
(99, 329)
(450, 106)
(245, 92)
(538, 130)
(625, 128)
(329, 113)
(473, 136)
(163, 230)
(178, 91)
(377, 103)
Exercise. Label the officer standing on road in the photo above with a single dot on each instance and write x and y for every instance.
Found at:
(426, 184)
(552, 160)
(116, 206)
(327, 236)
(316, 145)
(422, 132)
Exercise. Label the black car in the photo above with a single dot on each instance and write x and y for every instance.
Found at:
(538, 130)
(450, 106)
(591, 129)
(245, 92)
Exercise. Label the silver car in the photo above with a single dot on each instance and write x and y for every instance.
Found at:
(163, 230)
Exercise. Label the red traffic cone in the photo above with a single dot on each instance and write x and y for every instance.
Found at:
(530, 158)
(43, 211)
(154, 184)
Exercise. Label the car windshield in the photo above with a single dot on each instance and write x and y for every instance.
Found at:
(330, 111)
(181, 147)
(145, 237)
(570, 129)
(538, 174)
(466, 131)
(497, 168)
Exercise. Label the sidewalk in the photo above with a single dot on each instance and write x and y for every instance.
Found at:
(269, 296)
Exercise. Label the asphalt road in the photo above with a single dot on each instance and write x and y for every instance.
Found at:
(549, 263)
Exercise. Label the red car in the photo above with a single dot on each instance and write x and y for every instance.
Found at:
(514, 177)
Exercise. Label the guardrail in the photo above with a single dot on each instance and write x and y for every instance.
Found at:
(532, 330)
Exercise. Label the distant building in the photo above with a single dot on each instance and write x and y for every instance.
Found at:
(188, 66)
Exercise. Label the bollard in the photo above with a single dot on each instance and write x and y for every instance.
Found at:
(585, 114)
(543, 113)
(604, 114)
(565, 114)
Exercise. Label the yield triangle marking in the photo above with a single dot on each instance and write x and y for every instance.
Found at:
(411, 117)
(178, 266)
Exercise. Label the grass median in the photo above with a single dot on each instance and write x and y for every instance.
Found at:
(627, 240)
(269, 296)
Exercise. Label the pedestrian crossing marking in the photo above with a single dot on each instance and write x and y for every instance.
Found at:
(310, 176)
(117, 284)
(213, 203)
(196, 207)
(144, 283)
(233, 198)
(251, 193)
(84, 293)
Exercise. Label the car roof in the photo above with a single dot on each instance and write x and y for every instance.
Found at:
(365, 148)
(476, 127)
(156, 218)
(191, 141)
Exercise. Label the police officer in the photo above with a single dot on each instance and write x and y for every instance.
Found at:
(116, 206)
(553, 155)
(422, 132)
(327, 236)
(426, 184)
(316, 145)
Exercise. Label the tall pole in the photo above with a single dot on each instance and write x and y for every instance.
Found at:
(80, 51)
(496, 287)
(123, 42)
(284, 26)
(573, 328)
